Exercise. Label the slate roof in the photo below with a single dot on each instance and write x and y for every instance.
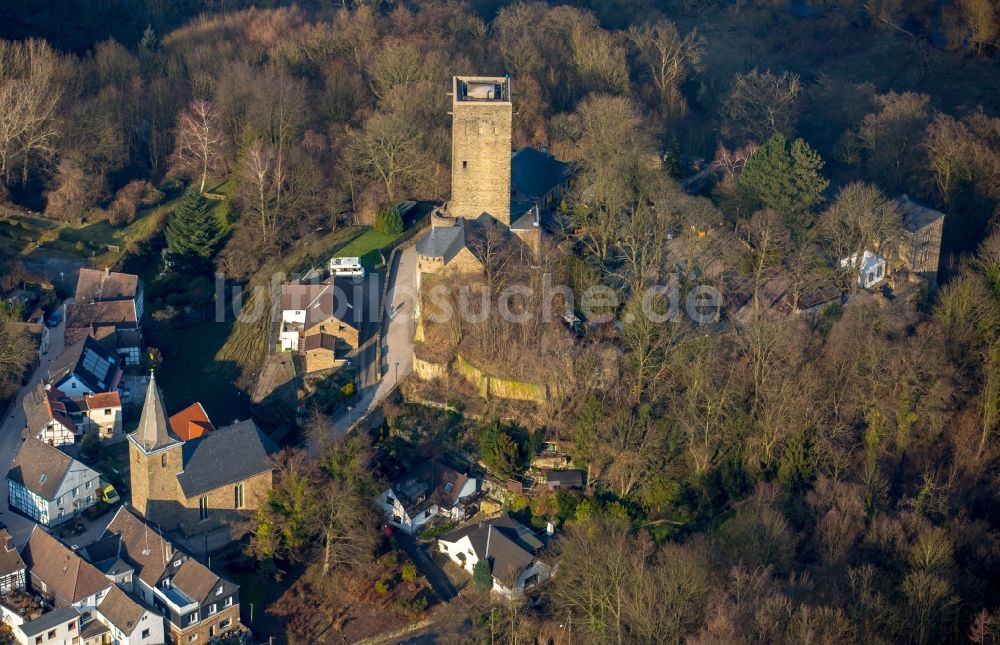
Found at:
(95, 284)
(225, 456)
(315, 298)
(39, 467)
(567, 478)
(10, 559)
(432, 482)
(153, 432)
(65, 573)
(120, 610)
(915, 215)
(442, 242)
(141, 546)
(195, 579)
(105, 555)
(96, 366)
(42, 405)
(94, 629)
(191, 422)
(510, 545)
(50, 620)
(534, 173)
(319, 341)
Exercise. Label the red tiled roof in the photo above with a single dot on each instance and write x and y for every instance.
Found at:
(191, 422)
(103, 400)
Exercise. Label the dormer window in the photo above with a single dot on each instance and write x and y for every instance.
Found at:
(218, 592)
(177, 563)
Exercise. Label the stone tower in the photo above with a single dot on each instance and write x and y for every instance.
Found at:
(480, 147)
(155, 459)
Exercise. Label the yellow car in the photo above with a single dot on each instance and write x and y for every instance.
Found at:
(109, 495)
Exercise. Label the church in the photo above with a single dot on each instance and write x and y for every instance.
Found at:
(200, 484)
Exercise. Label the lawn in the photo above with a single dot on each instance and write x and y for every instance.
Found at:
(367, 246)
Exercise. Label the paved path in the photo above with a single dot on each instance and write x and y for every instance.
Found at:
(435, 575)
(10, 435)
(397, 353)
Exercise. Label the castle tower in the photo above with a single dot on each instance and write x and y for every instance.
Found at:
(155, 459)
(480, 147)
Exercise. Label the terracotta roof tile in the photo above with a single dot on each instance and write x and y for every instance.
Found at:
(103, 400)
(65, 573)
(191, 422)
(95, 284)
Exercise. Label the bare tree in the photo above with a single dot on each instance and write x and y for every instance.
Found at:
(668, 59)
(16, 353)
(862, 218)
(29, 96)
(260, 191)
(388, 151)
(760, 104)
(200, 141)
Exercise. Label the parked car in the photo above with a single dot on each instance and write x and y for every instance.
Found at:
(55, 318)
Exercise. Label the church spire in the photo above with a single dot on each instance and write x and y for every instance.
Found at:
(153, 432)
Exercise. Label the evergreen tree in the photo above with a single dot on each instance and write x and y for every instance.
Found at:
(482, 576)
(783, 178)
(192, 234)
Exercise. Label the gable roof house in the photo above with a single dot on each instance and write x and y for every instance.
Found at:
(511, 549)
(431, 490)
(46, 416)
(100, 413)
(61, 575)
(86, 367)
(113, 303)
(196, 485)
(48, 485)
(309, 308)
(130, 622)
(920, 249)
(196, 602)
(58, 627)
(11, 565)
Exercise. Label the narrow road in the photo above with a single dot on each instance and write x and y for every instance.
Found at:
(397, 352)
(435, 576)
(10, 434)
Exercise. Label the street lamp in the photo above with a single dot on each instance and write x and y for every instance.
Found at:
(397, 373)
(350, 417)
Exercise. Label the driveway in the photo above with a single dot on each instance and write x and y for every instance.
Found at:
(10, 434)
(435, 576)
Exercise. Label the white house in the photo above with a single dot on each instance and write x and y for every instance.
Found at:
(100, 413)
(48, 485)
(11, 565)
(871, 270)
(87, 367)
(128, 621)
(510, 548)
(58, 627)
(302, 306)
(431, 490)
(46, 416)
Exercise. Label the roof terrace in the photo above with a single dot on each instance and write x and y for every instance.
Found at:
(481, 89)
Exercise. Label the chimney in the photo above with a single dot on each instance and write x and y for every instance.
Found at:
(107, 272)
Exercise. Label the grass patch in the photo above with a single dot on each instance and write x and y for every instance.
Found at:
(367, 246)
(190, 373)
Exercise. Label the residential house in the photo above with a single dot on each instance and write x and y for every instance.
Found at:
(48, 485)
(11, 565)
(191, 422)
(920, 250)
(870, 269)
(58, 627)
(130, 622)
(510, 548)
(320, 308)
(105, 554)
(431, 490)
(57, 573)
(195, 601)
(211, 481)
(46, 416)
(319, 352)
(86, 367)
(100, 413)
(109, 307)
(562, 479)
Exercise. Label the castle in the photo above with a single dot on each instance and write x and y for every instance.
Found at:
(488, 182)
(194, 486)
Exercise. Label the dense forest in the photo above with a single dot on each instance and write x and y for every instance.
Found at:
(824, 478)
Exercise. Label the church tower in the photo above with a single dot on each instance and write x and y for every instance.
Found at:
(480, 147)
(155, 459)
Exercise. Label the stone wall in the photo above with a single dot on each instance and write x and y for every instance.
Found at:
(222, 509)
(200, 633)
(153, 483)
(487, 386)
(480, 159)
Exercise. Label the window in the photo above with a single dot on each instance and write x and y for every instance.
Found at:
(90, 499)
(212, 609)
(107, 410)
(38, 639)
(229, 602)
(177, 563)
(145, 633)
(192, 638)
(51, 634)
(71, 626)
(192, 618)
(203, 507)
(218, 592)
(465, 164)
(224, 623)
(238, 494)
(163, 460)
(88, 485)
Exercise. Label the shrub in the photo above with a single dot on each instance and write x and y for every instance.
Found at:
(388, 220)
(409, 572)
(382, 586)
(435, 531)
(410, 607)
(482, 576)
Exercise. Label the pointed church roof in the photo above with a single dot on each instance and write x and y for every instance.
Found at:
(153, 432)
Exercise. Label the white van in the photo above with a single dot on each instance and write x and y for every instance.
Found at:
(347, 268)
